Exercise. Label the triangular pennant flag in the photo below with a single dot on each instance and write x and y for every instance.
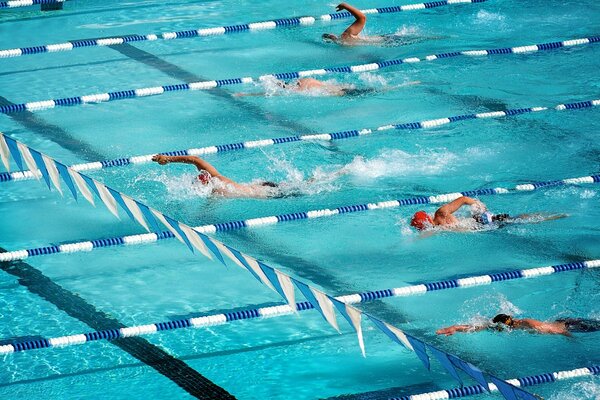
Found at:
(212, 247)
(149, 217)
(272, 277)
(419, 348)
(470, 370)
(511, 392)
(442, 357)
(162, 218)
(288, 289)
(14, 151)
(135, 211)
(83, 187)
(316, 299)
(327, 306)
(4, 152)
(194, 238)
(394, 333)
(245, 264)
(177, 227)
(119, 199)
(64, 173)
(227, 251)
(254, 266)
(41, 165)
(53, 172)
(353, 316)
(107, 199)
(29, 160)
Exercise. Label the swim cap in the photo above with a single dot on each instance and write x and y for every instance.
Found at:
(486, 218)
(204, 177)
(420, 220)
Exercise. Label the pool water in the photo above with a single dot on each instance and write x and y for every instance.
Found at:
(301, 356)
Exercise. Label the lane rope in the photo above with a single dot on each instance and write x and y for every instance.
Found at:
(432, 123)
(520, 382)
(202, 32)
(285, 309)
(206, 85)
(26, 3)
(132, 240)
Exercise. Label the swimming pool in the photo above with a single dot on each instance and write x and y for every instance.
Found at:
(299, 356)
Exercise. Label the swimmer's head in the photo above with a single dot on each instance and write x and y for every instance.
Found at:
(329, 37)
(421, 220)
(503, 319)
(204, 177)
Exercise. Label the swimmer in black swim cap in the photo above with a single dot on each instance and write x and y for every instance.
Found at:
(221, 185)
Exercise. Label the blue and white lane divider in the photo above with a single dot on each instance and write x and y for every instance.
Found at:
(131, 240)
(285, 309)
(219, 30)
(432, 123)
(206, 85)
(26, 3)
(531, 380)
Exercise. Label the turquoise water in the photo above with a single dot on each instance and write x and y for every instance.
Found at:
(301, 357)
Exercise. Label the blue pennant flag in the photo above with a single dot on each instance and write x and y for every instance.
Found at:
(175, 226)
(14, 150)
(241, 258)
(64, 173)
(211, 246)
(310, 296)
(90, 183)
(511, 392)
(442, 357)
(272, 277)
(41, 165)
(149, 217)
(419, 348)
(384, 328)
(119, 199)
(470, 370)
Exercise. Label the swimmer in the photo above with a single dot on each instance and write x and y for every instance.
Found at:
(317, 87)
(221, 185)
(501, 322)
(445, 219)
(350, 37)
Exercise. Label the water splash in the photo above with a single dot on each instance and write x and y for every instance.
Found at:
(393, 163)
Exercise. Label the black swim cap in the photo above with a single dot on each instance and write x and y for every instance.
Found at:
(502, 318)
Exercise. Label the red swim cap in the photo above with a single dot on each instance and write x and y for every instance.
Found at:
(420, 220)
(204, 177)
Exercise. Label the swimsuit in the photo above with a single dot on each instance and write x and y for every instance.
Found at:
(580, 325)
(487, 218)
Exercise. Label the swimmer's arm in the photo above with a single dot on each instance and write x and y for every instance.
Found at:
(197, 161)
(451, 330)
(548, 328)
(358, 25)
(453, 206)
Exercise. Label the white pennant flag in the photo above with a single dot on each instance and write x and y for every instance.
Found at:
(4, 152)
(355, 317)
(400, 335)
(82, 186)
(29, 160)
(195, 240)
(167, 224)
(53, 172)
(288, 288)
(135, 211)
(327, 307)
(224, 250)
(107, 199)
(257, 270)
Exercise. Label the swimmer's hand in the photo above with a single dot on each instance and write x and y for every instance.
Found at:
(341, 6)
(161, 159)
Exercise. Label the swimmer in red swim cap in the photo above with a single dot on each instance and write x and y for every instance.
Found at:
(221, 185)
